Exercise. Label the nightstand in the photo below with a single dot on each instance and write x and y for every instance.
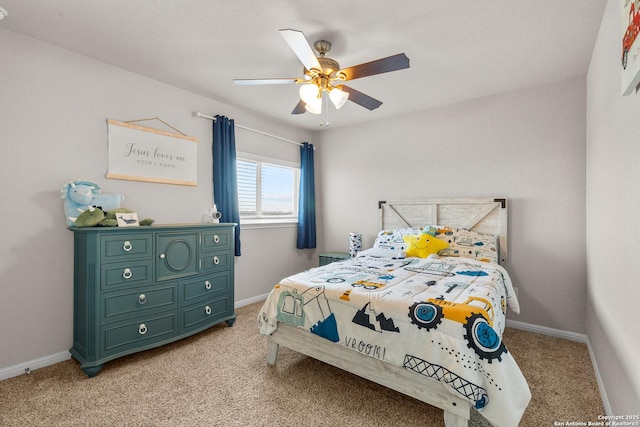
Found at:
(329, 257)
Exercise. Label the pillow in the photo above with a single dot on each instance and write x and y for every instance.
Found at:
(381, 253)
(422, 245)
(392, 239)
(468, 244)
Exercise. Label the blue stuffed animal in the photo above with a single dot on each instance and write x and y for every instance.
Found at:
(78, 195)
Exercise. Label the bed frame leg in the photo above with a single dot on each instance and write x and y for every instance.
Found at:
(272, 351)
(452, 420)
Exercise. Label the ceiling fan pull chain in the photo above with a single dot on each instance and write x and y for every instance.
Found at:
(325, 107)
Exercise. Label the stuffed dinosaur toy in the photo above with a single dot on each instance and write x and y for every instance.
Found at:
(78, 195)
(89, 218)
(94, 216)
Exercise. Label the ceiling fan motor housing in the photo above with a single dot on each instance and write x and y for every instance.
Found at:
(329, 66)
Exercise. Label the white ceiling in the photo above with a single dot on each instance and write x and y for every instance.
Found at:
(458, 50)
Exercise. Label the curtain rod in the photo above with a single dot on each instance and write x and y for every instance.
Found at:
(204, 116)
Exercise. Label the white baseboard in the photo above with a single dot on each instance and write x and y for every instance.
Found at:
(557, 333)
(251, 300)
(603, 392)
(571, 336)
(32, 365)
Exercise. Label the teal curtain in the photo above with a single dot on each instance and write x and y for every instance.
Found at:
(307, 199)
(225, 177)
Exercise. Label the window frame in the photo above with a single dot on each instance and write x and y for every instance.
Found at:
(271, 219)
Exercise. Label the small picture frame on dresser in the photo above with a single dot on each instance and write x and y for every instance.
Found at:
(126, 219)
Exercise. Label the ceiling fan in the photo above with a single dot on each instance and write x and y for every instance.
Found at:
(323, 74)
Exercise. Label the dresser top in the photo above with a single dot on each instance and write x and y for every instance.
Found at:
(151, 228)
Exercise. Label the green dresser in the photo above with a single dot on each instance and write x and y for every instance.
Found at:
(137, 288)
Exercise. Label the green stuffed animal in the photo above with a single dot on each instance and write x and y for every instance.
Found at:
(90, 217)
(94, 216)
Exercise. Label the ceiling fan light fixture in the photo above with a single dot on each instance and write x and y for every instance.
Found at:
(315, 106)
(309, 93)
(338, 97)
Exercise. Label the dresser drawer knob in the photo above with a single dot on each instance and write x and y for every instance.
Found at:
(207, 285)
(127, 273)
(162, 256)
(207, 310)
(142, 298)
(142, 329)
(216, 260)
(127, 246)
(216, 238)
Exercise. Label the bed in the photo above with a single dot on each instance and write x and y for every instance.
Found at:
(422, 311)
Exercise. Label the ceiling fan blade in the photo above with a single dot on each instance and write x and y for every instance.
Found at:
(361, 99)
(299, 108)
(379, 66)
(284, 81)
(300, 46)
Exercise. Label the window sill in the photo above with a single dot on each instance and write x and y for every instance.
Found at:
(268, 223)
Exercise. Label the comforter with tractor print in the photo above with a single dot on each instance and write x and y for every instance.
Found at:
(441, 317)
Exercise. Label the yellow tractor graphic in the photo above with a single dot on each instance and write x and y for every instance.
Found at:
(367, 284)
(476, 316)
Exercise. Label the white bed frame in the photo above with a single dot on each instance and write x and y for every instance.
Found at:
(484, 215)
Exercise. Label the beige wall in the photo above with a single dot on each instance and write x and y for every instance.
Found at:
(613, 211)
(527, 146)
(53, 110)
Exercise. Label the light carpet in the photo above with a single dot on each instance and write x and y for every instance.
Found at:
(220, 378)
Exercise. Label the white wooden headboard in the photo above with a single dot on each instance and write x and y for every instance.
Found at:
(484, 215)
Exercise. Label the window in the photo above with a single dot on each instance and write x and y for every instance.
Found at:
(267, 189)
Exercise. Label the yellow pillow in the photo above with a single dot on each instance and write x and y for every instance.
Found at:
(423, 245)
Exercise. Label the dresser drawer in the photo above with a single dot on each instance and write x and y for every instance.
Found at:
(145, 331)
(216, 239)
(216, 261)
(139, 301)
(125, 274)
(204, 287)
(124, 246)
(202, 314)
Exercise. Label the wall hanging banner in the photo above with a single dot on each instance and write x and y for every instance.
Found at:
(139, 153)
